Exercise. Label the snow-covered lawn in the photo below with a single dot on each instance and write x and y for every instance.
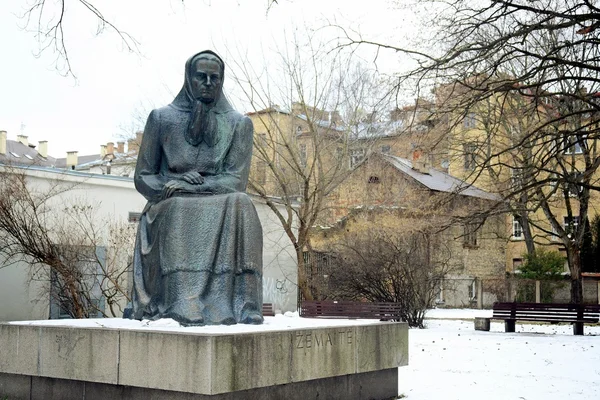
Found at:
(451, 361)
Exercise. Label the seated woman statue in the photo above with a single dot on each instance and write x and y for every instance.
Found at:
(198, 253)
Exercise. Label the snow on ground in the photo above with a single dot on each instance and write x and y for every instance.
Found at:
(289, 321)
(451, 361)
(457, 313)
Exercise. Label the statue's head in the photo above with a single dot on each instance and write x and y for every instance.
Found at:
(206, 77)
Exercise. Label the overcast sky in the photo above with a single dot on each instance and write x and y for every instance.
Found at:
(113, 84)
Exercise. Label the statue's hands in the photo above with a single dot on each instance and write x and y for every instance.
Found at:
(193, 178)
(170, 188)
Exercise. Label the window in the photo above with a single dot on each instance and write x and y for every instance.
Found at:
(14, 154)
(339, 153)
(470, 234)
(134, 217)
(517, 262)
(386, 149)
(469, 121)
(517, 228)
(571, 224)
(572, 184)
(356, 156)
(303, 155)
(574, 144)
(439, 297)
(516, 179)
(473, 290)
(373, 179)
(261, 172)
(87, 261)
(28, 156)
(299, 129)
(469, 154)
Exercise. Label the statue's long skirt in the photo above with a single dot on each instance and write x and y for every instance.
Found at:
(218, 236)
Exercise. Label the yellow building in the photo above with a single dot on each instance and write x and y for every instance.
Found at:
(539, 155)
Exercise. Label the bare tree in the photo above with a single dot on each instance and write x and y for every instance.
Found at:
(401, 266)
(81, 262)
(302, 148)
(536, 59)
(48, 20)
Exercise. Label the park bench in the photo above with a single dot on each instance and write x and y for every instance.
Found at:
(267, 310)
(576, 314)
(351, 309)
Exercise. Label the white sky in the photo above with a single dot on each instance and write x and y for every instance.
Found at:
(113, 83)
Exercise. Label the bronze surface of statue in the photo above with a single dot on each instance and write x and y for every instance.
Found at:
(198, 253)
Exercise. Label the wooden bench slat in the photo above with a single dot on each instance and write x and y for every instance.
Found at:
(350, 309)
(577, 314)
(267, 310)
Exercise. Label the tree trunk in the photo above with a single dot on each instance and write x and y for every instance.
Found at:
(574, 260)
(529, 243)
(303, 284)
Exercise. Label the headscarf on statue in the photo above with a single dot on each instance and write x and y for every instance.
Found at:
(202, 125)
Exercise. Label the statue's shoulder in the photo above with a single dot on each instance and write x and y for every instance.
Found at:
(241, 121)
(167, 112)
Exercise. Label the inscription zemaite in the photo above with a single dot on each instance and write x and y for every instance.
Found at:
(309, 339)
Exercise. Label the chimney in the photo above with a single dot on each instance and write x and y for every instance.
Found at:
(71, 159)
(102, 150)
(2, 142)
(419, 161)
(121, 147)
(110, 148)
(23, 139)
(43, 148)
(133, 145)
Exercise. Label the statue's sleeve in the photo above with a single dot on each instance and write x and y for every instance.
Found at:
(148, 178)
(236, 165)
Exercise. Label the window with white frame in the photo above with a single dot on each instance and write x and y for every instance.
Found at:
(356, 156)
(571, 224)
(516, 178)
(439, 297)
(517, 228)
(573, 184)
(574, 144)
(472, 290)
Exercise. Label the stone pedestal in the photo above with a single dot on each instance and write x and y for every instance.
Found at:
(482, 324)
(341, 362)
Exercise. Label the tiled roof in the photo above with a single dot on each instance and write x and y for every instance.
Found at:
(19, 154)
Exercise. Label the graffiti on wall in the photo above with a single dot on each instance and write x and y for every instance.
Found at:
(280, 293)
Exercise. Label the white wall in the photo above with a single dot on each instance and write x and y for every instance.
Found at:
(116, 197)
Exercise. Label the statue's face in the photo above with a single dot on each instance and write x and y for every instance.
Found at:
(206, 80)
